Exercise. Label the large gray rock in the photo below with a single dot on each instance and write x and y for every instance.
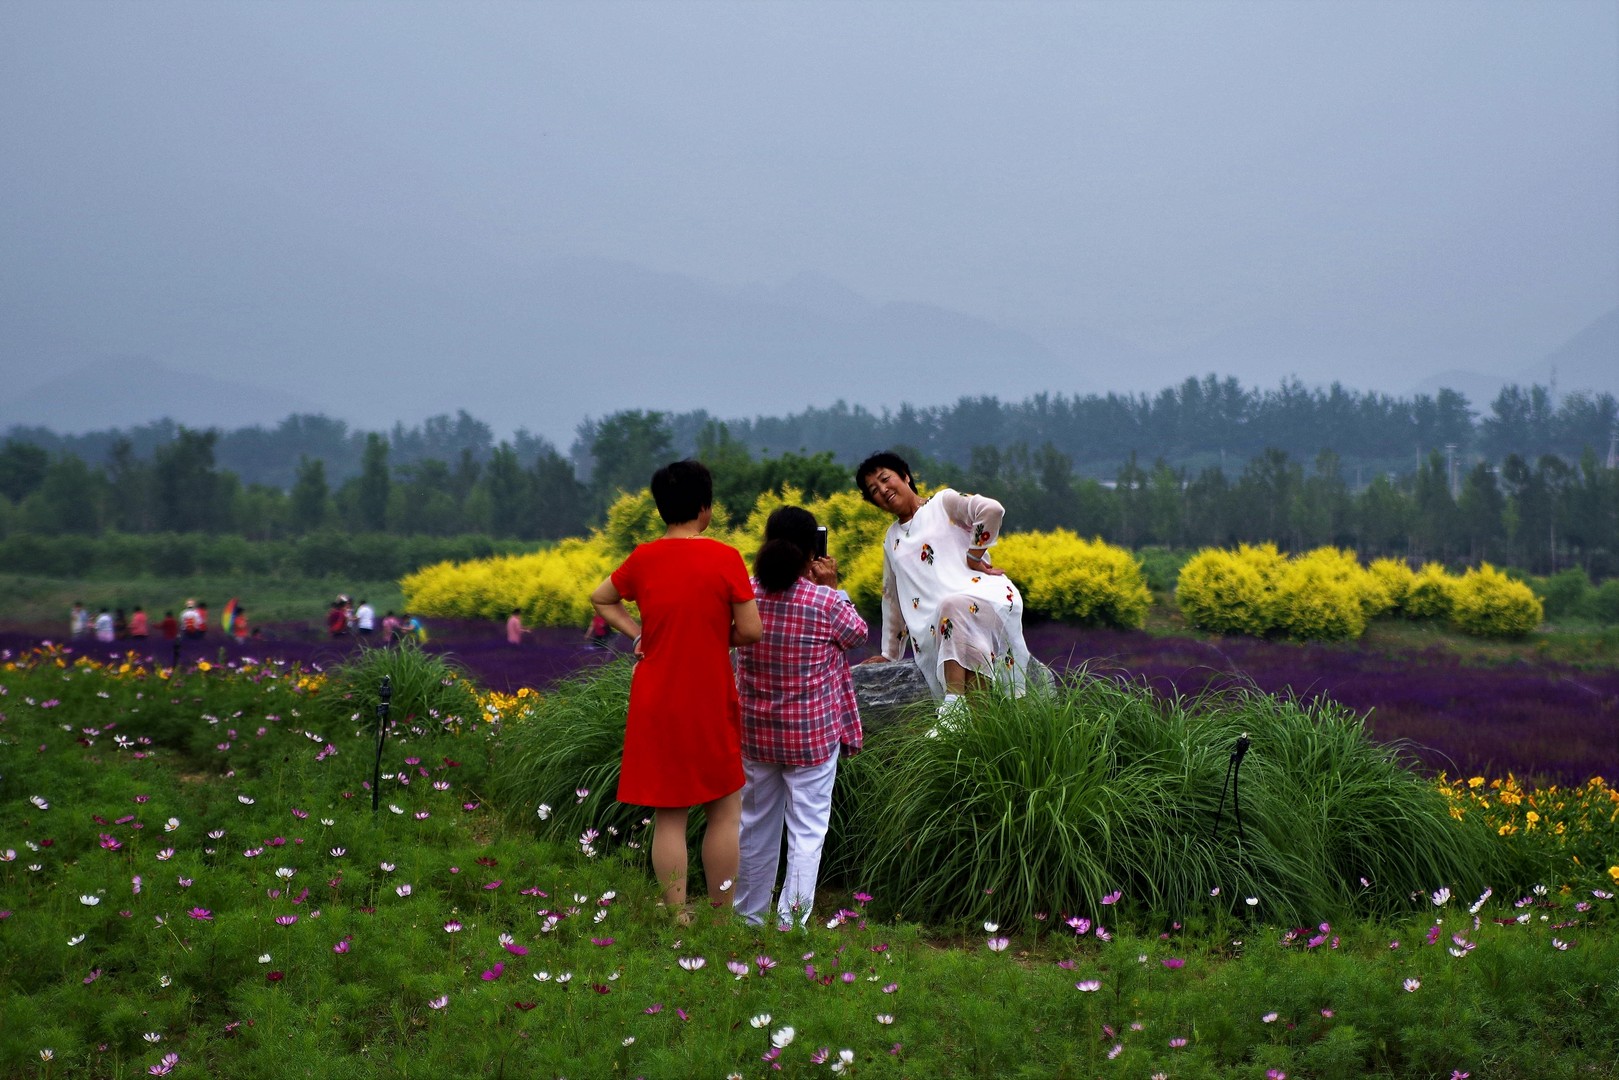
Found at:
(884, 690)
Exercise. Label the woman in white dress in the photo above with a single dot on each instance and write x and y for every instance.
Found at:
(961, 616)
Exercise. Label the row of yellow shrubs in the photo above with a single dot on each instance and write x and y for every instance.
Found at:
(1062, 575)
(1326, 595)
(1322, 595)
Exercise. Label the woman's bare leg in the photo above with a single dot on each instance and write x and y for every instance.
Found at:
(669, 853)
(721, 852)
(958, 680)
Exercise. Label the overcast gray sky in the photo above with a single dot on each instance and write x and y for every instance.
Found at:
(175, 178)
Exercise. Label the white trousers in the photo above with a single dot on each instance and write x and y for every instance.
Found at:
(799, 797)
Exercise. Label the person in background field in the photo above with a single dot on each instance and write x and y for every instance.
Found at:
(598, 632)
(683, 734)
(365, 618)
(798, 715)
(170, 629)
(78, 620)
(514, 627)
(962, 617)
(337, 620)
(120, 625)
(202, 618)
(390, 628)
(190, 626)
(239, 631)
(104, 626)
(137, 623)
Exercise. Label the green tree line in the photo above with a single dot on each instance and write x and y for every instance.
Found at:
(1543, 515)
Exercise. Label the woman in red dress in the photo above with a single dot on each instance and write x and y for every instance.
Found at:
(683, 738)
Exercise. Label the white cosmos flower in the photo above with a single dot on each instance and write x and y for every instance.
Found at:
(782, 1037)
(245, 800)
(762, 1020)
(75, 939)
(89, 900)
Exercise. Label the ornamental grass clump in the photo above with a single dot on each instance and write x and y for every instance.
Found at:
(558, 764)
(1043, 804)
(427, 692)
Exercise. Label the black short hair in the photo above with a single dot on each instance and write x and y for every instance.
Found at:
(789, 544)
(682, 490)
(882, 459)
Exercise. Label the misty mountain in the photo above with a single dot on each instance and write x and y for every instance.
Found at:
(128, 391)
(1588, 362)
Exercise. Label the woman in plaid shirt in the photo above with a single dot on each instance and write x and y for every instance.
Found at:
(798, 714)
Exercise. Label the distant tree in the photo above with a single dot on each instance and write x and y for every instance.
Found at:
(508, 491)
(1434, 532)
(1479, 511)
(559, 505)
(129, 482)
(186, 494)
(68, 500)
(310, 495)
(625, 449)
(1265, 495)
(1384, 519)
(22, 469)
(371, 495)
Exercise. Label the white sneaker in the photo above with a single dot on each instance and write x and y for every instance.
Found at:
(952, 715)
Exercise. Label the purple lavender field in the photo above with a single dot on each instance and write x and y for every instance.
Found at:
(1537, 719)
(1540, 720)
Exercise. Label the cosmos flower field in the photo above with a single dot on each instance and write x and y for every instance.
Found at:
(193, 883)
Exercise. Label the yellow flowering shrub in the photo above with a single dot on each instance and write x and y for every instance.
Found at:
(1396, 579)
(1228, 592)
(1064, 576)
(550, 587)
(1429, 595)
(1487, 603)
(1322, 595)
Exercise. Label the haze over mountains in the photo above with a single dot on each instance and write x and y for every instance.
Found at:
(544, 347)
(544, 212)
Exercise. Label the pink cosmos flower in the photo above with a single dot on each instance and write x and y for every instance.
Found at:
(342, 946)
(494, 973)
(201, 914)
(1174, 963)
(1113, 897)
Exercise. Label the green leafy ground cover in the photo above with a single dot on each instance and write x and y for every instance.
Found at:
(191, 867)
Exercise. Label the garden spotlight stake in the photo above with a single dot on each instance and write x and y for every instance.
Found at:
(384, 693)
(1233, 772)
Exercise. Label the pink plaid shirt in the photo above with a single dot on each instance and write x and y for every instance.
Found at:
(798, 700)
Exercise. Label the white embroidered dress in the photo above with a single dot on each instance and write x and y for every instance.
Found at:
(941, 608)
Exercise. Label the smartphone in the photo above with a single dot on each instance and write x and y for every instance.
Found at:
(820, 542)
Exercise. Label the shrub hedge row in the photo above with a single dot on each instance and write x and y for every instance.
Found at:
(1326, 595)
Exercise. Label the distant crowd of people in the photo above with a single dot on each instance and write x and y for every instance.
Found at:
(193, 623)
(344, 618)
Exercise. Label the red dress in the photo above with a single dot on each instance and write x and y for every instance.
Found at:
(683, 739)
